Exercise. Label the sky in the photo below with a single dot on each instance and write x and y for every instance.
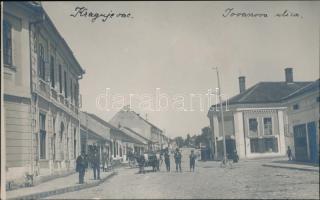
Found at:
(171, 48)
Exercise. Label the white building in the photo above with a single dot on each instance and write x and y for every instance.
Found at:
(303, 121)
(255, 120)
(41, 94)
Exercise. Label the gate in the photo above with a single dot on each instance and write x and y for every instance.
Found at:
(300, 142)
(313, 147)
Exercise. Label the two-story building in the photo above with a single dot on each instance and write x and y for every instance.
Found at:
(255, 120)
(41, 93)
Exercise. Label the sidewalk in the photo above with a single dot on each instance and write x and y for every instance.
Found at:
(292, 165)
(58, 186)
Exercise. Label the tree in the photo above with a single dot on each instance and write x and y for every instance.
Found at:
(179, 141)
(187, 141)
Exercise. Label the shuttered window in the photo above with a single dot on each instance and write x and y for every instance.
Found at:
(7, 43)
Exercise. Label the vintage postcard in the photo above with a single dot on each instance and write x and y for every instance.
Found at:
(160, 100)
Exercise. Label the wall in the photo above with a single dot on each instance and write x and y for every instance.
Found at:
(308, 112)
(17, 78)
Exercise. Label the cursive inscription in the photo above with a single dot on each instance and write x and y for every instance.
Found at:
(232, 13)
(229, 12)
(94, 16)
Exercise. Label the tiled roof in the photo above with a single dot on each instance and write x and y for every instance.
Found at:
(267, 92)
(312, 87)
(101, 120)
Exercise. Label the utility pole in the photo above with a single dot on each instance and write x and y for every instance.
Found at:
(222, 117)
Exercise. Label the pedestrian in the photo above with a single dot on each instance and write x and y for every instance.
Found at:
(289, 153)
(192, 157)
(96, 164)
(167, 160)
(177, 158)
(81, 165)
(235, 156)
(141, 162)
(104, 161)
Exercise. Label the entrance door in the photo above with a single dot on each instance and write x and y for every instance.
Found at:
(300, 142)
(313, 147)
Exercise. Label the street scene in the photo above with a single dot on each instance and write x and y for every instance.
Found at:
(160, 100)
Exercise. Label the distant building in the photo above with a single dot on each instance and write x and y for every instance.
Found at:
(41, 94)
(303, 122)
(116, 141)
(94, 134)
(256, 119)
(132, 120)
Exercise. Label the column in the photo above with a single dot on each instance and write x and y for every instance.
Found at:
(281, 142)
(239, 134)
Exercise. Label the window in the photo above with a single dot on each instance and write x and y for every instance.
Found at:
(263, 145)
(60, 78)
(318, 99)
(53, 142)
(253, 127)
(75, 94)
(267, 126)
(74, 143)
(65, 84)
(61, 131)
(42, 125)
(7, 43)
(52, 79)
(41, 62)
(71, 91)
(295, 107)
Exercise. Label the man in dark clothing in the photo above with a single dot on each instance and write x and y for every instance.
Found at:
(141, 162)
(192, 160)
(167, 160)
(177, 157)
(81, 165)
(95, 163)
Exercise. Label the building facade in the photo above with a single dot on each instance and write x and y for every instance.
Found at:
(303, 123)
(255, 120)
(132, 120)
(94, 135)
(41, 94)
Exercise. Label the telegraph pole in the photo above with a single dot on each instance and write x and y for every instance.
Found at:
(222, 117)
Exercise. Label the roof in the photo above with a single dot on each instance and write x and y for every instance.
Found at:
(129, 129)
(37, 7)
(312, 87)
(145, 120)
(267, 92)
(124, 137)
(101, 120)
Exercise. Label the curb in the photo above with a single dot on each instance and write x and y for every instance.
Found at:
(288, 167)
(64, 190)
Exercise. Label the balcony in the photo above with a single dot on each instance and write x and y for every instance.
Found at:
(44, 88)
(54, 94)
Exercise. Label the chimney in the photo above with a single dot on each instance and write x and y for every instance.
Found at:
(289, 75)
(242, 83)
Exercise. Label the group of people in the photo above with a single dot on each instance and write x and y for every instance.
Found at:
(177, 159)
(93, 159)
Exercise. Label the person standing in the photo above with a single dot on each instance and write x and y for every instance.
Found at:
(96, 164)
(289, 153)
(177, 158)
(192, 158)
(167, 160)
(81, 165)
(141, 162)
